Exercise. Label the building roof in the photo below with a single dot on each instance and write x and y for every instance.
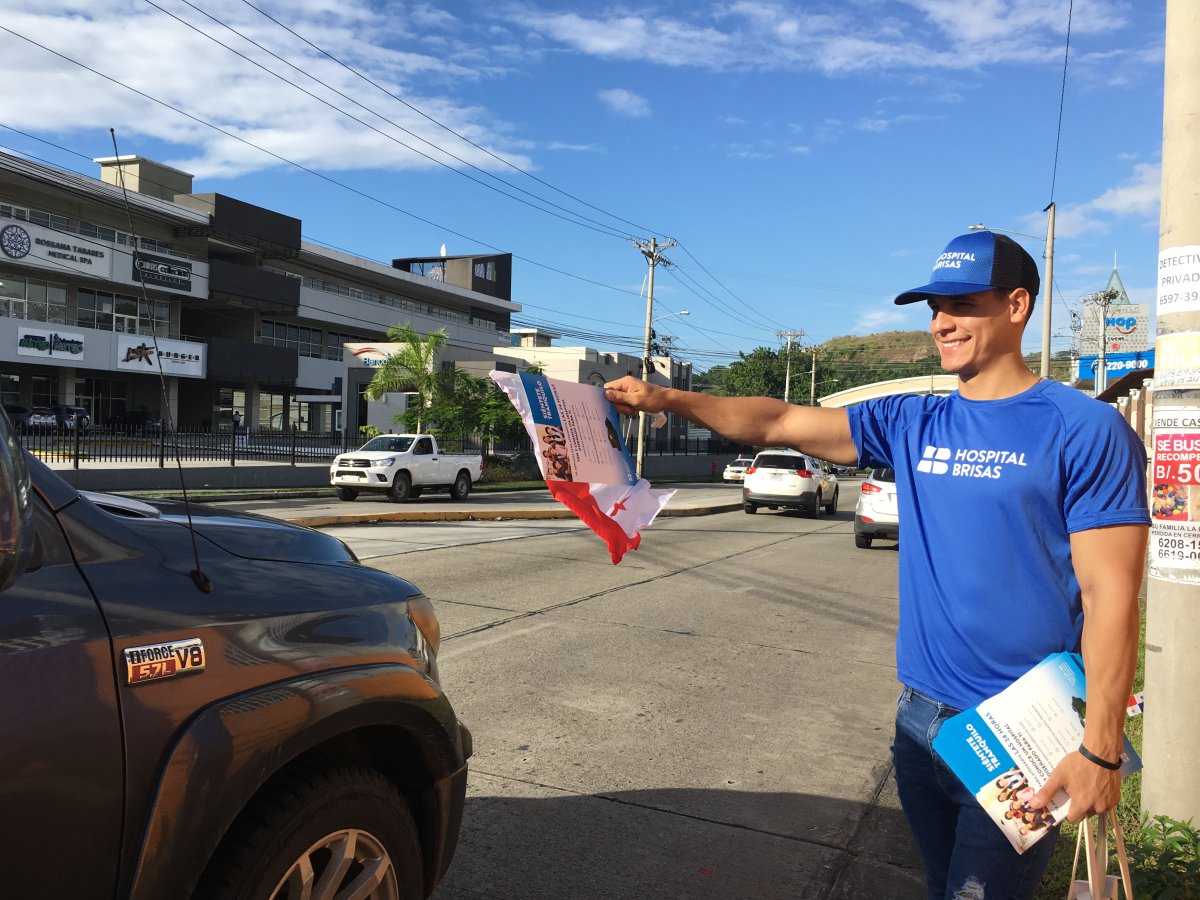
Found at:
(97, 191)
(414, 285)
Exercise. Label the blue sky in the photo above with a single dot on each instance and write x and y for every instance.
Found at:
(811, 158)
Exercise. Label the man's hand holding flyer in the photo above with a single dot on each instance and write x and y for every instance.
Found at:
(582, 457)
(1004, 749)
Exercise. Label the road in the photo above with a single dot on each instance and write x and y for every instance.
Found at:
(709, 719)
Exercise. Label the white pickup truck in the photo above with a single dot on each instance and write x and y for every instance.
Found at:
(402, 466)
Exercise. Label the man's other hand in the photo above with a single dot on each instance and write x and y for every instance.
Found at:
(1092, 790)
(632, 395)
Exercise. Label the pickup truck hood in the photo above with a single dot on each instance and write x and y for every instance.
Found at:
(243, 534)
(372, 455)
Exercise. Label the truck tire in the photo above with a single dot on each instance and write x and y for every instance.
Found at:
(814, 511)
(461, 487)
(309, 824)
(831, 506)
(401, 488)
(862, 541)
(345, 493)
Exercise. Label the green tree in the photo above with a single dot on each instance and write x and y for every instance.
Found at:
(411, 369)
(759, 373)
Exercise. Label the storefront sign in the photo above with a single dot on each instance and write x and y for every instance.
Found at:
(1116, 365)
(60, 251)
(1126, 329)
(162, 271)
(1179, 279)
(370, 355)
(1178, 361)
(49, 343)
(142, 353)
(1175, 498)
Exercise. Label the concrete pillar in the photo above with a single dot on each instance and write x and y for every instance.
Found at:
(1172, 730)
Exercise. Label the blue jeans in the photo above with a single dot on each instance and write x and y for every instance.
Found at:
(966, 855)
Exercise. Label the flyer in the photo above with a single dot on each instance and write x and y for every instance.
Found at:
(1005, 748)
(1175, 500)
(577, 441)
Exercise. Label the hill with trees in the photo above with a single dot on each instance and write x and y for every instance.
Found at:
(841, 363)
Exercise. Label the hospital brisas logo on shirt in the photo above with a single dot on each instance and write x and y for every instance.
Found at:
(968, 463)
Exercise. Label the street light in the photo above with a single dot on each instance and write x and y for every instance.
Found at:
(1049, 298)
(813, 399)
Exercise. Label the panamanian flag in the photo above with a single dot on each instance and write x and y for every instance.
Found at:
(582, 457)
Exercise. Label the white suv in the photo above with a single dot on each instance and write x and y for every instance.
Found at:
(876, 515)
(785, 478)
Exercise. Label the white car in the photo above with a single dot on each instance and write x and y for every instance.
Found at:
(736, 470)
(785, 478)
(876, 514)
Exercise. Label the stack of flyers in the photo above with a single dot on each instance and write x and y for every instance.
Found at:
(1005, 748)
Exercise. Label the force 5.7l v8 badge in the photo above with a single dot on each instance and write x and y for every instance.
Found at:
(164, 660)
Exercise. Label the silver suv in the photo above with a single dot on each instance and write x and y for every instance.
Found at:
(788, 479)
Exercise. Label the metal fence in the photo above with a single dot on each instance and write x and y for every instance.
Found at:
(161, 448)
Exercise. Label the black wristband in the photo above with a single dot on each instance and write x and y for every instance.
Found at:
(1102, 763)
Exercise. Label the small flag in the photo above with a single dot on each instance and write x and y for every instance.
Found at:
(1136, 704)
(581, 454)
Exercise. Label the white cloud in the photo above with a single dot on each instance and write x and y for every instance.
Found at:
(625, 103)
(914, 35)
(1138, 197)
(163, 58)
(884, 319)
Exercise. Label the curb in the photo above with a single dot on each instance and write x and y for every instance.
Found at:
(483, 515)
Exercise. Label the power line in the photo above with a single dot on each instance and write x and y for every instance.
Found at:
(442, 125)
(597, 226)
(1062, 99)
(308, 170)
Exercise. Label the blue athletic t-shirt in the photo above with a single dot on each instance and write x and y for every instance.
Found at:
(989, 493)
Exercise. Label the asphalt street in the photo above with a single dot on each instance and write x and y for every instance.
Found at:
(709, 719)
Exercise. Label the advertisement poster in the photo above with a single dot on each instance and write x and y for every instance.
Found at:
(1177, 361)
(579, 449)
(1175, 500)
(1004, 749)
(1179, 279)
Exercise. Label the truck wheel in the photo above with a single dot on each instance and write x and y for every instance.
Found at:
(814, 511)
(750, 508)
(320, 833)
(401, 487)
(345, 493)
(862, 541)
(461, 487)
(831, 506)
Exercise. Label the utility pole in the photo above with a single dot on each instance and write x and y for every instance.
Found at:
(1172, 731)
(1101, 299)
(812, 397)
(1045, 373)
(651, 249)
(787, 372)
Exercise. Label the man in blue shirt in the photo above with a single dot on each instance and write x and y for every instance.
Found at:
(1025, 533)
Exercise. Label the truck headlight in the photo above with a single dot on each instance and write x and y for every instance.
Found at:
(387, 462)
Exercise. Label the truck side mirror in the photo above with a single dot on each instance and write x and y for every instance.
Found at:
(16, 508)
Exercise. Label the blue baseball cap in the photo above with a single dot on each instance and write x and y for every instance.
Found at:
(978, 261)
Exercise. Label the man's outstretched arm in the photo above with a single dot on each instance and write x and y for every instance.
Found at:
(757, 421)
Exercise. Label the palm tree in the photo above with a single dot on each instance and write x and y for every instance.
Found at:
(412, 368)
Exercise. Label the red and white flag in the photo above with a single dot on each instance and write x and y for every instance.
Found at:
(581, 455)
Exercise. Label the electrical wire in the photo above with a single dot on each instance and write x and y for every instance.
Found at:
(442, 125)
(596, 226)
(1062, 99)
(306, 169)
